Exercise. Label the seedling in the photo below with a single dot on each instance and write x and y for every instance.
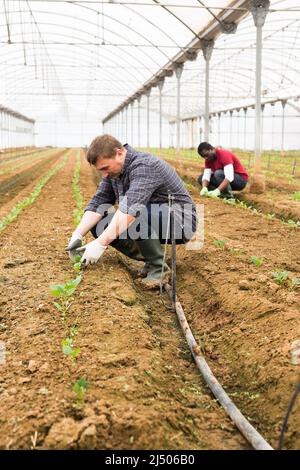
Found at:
(294, 283)
(220, 243)
(80, 387)
(235, 251)
(280, 277)
(296, 196)
(256, 261)
(77, 266)
(64, 292)
(292, 223)
(270, 216)
(68, 348)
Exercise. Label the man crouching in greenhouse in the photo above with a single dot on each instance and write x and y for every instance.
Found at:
(223, 172)
(146, 189)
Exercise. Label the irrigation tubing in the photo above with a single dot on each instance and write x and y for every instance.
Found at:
(289, 410)
(248, 431)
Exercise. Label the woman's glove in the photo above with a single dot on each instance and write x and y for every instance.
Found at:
(92, 252)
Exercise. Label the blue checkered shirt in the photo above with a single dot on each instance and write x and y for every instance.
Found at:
(144, 179)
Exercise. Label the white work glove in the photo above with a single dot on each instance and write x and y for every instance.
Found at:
(92, 252)
(214, 194)
(74, 243)
(204, 191)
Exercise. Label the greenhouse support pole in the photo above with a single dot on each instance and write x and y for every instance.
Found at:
(262, 126)
(178, 72)
(207, 49)
(259, 10)
(230, 124)
(148, 92)
(139, 121)
(219, 128)
(131, 105)
(283, 103)
(126, 123)
(123, 124)
(245, 127)
(160, 87)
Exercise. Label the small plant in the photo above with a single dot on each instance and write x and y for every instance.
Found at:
(220, 244)
(270, 216)
(296, 196)
(64, 292)
(235, 251)
(280, 277)
(77, 265)
(256, 261)
(68, 345)
(292, 223)
(294, 283)
(80, 387)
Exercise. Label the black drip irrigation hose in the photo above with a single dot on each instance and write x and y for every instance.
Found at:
(289, 410)
(248, 431)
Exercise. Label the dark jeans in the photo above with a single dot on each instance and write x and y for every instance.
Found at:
(218, 176)
(153, 223)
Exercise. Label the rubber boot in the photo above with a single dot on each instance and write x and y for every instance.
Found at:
(153, 255)
(128, 248)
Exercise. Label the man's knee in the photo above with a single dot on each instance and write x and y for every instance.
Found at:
(219, 175)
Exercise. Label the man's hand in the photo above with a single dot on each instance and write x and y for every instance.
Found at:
(92, 252)
(204, 191)
(74, 243)
(214, 194)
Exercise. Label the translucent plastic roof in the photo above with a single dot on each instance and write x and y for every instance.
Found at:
(89, 57)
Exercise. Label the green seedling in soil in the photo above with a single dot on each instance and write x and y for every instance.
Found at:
(67, 345)
(292, 223)
(235, 251)
(64, 292)
(77, 266)
(296, 196)
(80, 387)
(294, 283)
(270, 216)
(280, 277)
(256, 261)
(220, 243)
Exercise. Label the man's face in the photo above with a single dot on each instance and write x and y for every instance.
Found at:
(111, 167)
(209, 155)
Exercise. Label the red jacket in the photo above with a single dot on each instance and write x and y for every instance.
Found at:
(224, 157)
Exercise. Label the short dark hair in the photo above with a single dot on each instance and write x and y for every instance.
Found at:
(103, 146)
(204, 146)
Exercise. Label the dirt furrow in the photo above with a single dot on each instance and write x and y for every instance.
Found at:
(144, 390)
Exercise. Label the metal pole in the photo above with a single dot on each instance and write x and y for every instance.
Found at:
(160, 87)
(207, 49)
(283, 103)
(245, 127)
(262, 126)
(230, 126)
(178, 72)
(259, 10)
(139, 121)
(148, 117)
(132, 123)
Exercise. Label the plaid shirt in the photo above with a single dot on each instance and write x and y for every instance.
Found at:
(144, 179)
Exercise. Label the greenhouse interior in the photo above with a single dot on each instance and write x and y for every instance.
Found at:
(190, 106)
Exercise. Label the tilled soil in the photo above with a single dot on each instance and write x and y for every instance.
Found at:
(144, 391)
(12, 183)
